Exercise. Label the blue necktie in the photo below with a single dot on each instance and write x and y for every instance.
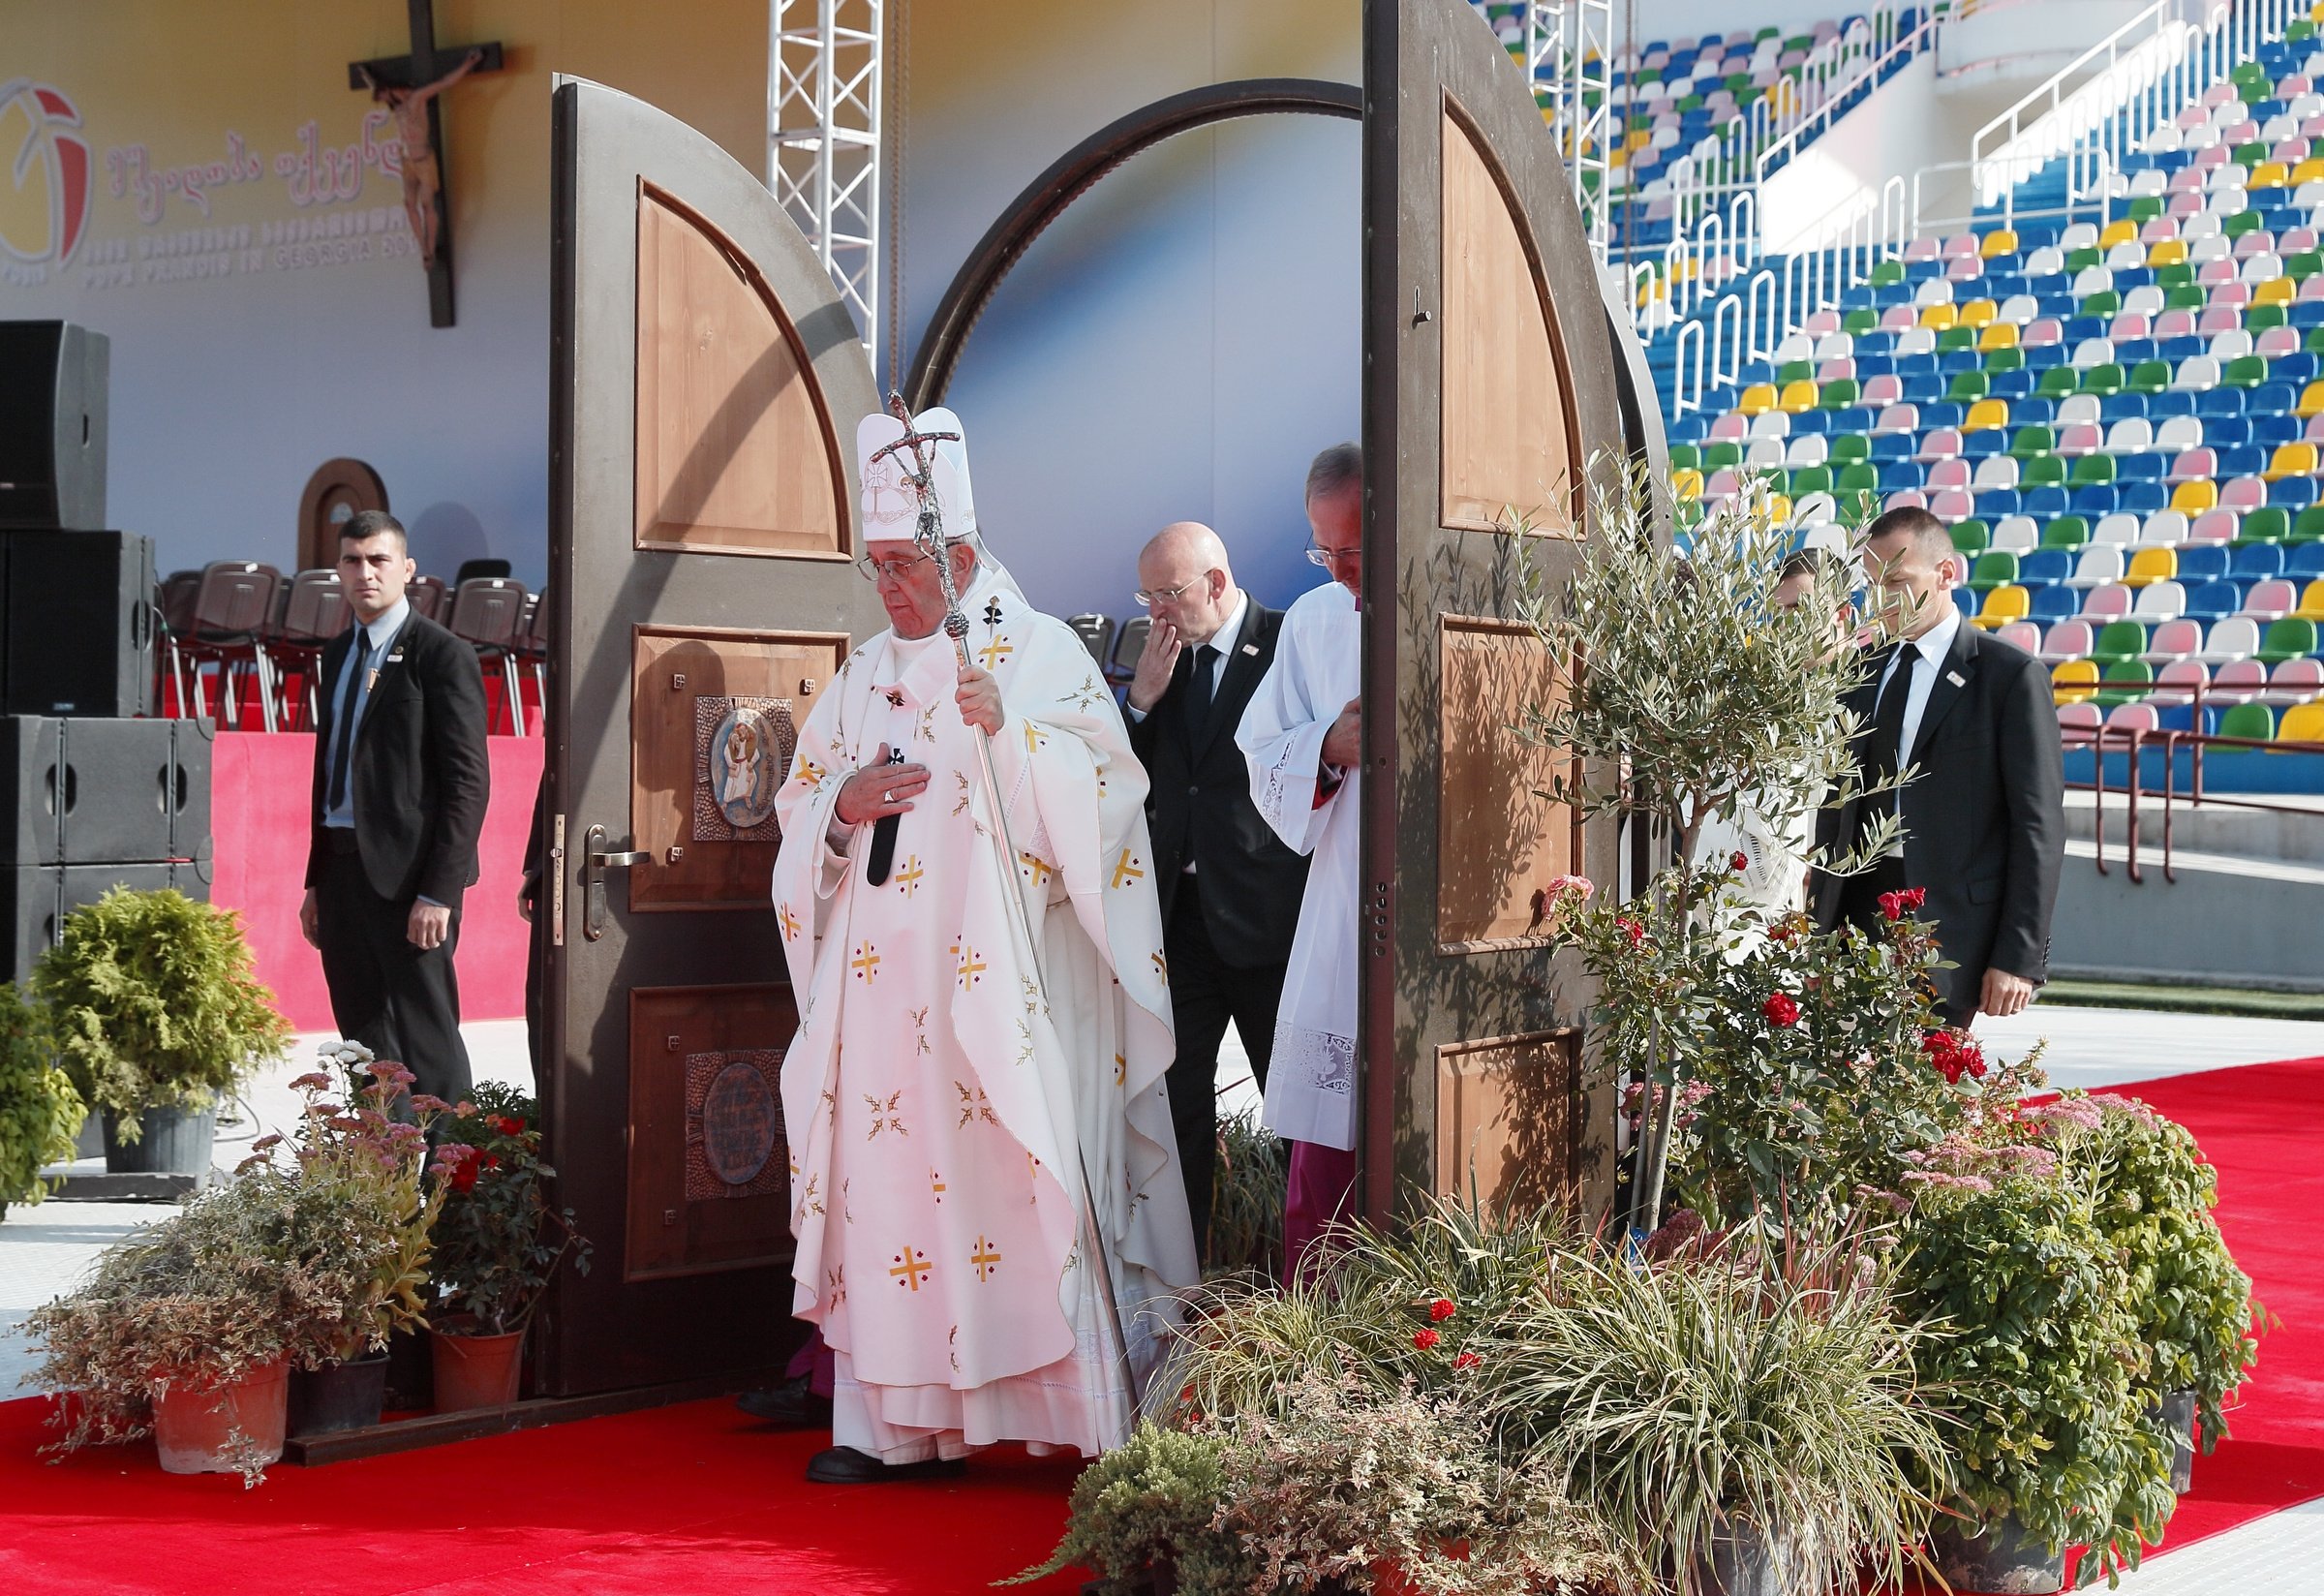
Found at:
(342, 729)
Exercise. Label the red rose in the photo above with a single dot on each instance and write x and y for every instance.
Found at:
(1738, 860)
(1630, 929)
(506, 1125)
(1914, 896)
(1467, 1360)
(463, 1177)
(1442, 1309)
(1892, 905)
(1780, 1010)
(1426, 1338)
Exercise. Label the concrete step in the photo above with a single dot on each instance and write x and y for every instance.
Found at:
(2227, 919)
(2288, 835)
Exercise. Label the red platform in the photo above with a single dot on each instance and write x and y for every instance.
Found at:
(261, 787)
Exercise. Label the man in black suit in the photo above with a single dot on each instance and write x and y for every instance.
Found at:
(1229, 888)
(401, 779)
(1983, 813)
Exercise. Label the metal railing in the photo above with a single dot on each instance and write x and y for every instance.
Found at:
(2132, 743)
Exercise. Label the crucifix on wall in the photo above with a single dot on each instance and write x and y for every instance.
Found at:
(411, 87)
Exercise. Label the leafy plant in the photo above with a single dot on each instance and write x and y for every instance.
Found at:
(1745, 1385)
(1246, 1196)
(2028, 1342)
(153, 1004)
(1152, 1502)
(358, 1165)
(40, 1111)
(498, 1240)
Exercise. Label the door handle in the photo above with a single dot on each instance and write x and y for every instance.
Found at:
(595, 860)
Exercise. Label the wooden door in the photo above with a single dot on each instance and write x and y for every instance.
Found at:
(1492, 379)
(705, 387)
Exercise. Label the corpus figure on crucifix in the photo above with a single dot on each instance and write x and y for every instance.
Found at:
(983, 1182)
(423, 181)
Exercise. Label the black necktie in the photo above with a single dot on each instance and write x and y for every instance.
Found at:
(342, 726)
(1888, 721)
(1198, 690)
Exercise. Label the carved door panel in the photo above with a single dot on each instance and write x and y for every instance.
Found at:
(705, 386)
(1493, 379)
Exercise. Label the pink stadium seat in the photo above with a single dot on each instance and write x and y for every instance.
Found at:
(2313, 289)
(2108, 601)
(1954, 475)
(1725, 483)
(2294, 681)
(2215, 526)
(1940, 443)
(2275, 341)
(1884, 389)
(2175, 323)
(2237, 293)
(2127, 324)
(1732, 428)
(2243, 493)
(2218, 319)
(2023, 634)
(2078, 724)
(2080, 438)
(1917, 250)
(1951, 505)
(1905, 499)
(2138, 717)
(2270, 600)
(1899, 318)
(1821, 325)
(2178, 681)
(2237, 681)
(2066, 640)
(2173, 640)
(1898, 419)
(2043, 332)
(2196, 465)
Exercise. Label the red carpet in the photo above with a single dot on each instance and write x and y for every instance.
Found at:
(2258, 1125)
(661, 1503)
(697, 1498)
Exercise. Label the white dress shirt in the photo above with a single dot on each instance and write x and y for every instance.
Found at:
(1932, 645)
(377, 635)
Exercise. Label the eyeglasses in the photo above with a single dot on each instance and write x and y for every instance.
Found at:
(895, 570)
(1167, 595)
(1331, 557)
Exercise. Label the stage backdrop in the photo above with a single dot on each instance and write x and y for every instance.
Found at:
(198, 182)
(262, 788)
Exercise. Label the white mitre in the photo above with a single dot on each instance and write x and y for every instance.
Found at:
(891, 501)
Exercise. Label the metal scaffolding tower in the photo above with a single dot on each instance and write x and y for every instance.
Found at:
(1570, 47)
(823, 157)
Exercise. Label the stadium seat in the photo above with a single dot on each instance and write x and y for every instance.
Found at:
(2152, 565)
(2171, 641)
(2268, 600)
(2004, 604)
(2301, 724)
(2068, 639)
(2294, 681)
(2253, 722)
(2237, 682)
(2288, 638)
(2074, 681)
(2119, 640)
(2160, 602)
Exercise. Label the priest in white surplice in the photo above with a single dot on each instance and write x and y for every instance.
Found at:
(1301, 738)
(944, 1096)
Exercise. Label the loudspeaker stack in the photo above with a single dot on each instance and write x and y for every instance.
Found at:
(99, 796)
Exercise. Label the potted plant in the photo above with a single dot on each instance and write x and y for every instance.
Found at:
(156, 1014)
(499, 1243)
(1142, 1519)
(2030, 1334)
(1247, 1202)
(40, 1111)
(2197, 1318)
(358, 1162)
(187, 1328)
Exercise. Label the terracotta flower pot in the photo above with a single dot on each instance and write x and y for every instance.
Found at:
(476, 1371)
(196, 1427)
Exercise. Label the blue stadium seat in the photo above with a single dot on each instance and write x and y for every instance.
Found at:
(2055, 602)
(2202, 563)
(2093, 501)
(2292, 492)
(2240, 460)
(2305, 563)
(2141, 499)
(2047, 568)
(2255, 562)
(2220, 403)
(2208, 602)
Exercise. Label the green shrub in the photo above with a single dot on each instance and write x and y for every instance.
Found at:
(40, 1111)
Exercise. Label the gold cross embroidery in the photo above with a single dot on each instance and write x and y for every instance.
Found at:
(994, 652)
(986, 1258)
(1040, 868)
(920, 1026)
(1034, 738)
(790, 924)
(972, 969)
(974, 1104)
(837, 1293)
(935, 1185)
(926, 731)
(908, 878)
(866, 963)
(1161, 965)
(1127, 871)
(909, 1266)
(808, 771)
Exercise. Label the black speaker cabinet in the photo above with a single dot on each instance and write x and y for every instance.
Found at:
(31, 785)
(81, 885)
(120, 789)
(53, 377)
(192, 745)
(81, 624)
(28, 918)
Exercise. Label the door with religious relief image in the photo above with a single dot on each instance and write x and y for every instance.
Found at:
(705, 387)
(1493, 379)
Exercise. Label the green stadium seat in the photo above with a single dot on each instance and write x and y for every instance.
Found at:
(2241, 223)
(2104, 302)
(2125, 682)
(2102, 380)
(1860, 477)
(1841, 394)
(2270, 524)
(1970, 537)
(2041, 470)
(2246, 371)
(2031, 440)
(1967, 388)
(1995, 568)
(1952, 340)
(2255, 722)
(2091, 469)
(2119, 640)
(1685, 457)
(1796, 371)
(2290, 638)
(1884, 273)
(2150, 377)
(1718, 455)
(2057, 383)
(2308, 527)
(2186, 296)
(1809, 479)
(1848, 448)
(1863, 319)
(2067, 532)
(2079, 259)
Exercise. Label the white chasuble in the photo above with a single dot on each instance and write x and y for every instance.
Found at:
(1317, 669)
(943, 1096)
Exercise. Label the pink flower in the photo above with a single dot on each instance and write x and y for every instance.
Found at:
(1780, 1010)
(313, 1081)
(1425, 1339)
(1580, 888)
(1442, 1309)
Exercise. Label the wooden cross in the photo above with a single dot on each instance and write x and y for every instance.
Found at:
(408, 85)
(909, 1266)
(986, 1258)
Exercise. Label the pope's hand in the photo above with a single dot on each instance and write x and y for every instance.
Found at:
(879, 789)
(979, 698)
(1343, 744)
(1156, 663)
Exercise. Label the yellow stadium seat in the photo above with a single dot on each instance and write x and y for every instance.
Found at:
(2194, 498)
(2276, 291)
(2001, 242)
(2124, 232)
(2301, 724)
(2291, 460)
(1638, 139)
(2311, 401)
(1617, 158)
(2268, 174)
(1779, 509)
(2309, 170)
(1998, 335)
(1798, 397)
(2151, 564)
(2167, 251)
(1686, 482)
(1938, 318)
(2004, 604)
(1984, 413)
(2311, 601)
(2074, 681)
(1979, 313)
(1758, 399)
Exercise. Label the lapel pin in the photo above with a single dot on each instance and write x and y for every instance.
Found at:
(1250, 648)
(1956, 678)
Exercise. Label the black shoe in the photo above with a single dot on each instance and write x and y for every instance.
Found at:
(792, 1404)
(840, 1466)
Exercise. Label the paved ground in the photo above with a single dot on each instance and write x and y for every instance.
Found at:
(44, 1250)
